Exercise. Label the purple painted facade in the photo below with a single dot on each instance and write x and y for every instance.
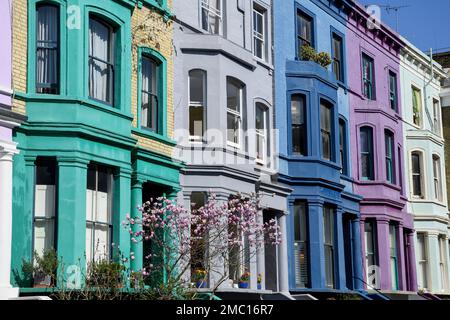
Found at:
(384, 204)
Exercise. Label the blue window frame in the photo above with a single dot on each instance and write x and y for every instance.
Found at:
(299, 125)
(326, 130)
(343, 146)
(302, 276)
(337, 46)
(305, 31)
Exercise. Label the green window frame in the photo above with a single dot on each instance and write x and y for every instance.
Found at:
(161, 91)
(32, 66)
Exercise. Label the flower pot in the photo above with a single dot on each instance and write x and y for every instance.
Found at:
(42, 280)
(259, 286)
(243, 285)
(200, 284)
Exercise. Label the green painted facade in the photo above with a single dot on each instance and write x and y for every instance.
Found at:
(78, 131)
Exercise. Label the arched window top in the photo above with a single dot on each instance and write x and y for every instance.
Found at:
(235, 82)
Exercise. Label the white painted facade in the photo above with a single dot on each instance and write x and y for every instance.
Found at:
(424, 158)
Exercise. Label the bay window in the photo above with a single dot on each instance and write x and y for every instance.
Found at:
(45, 205)
(417, 174)
(98, 213)
(47, 49)
(235, 107)
(366, 153)
(197, 104)
(389, 154)
(150, 103)
(101, 61)
(326, 115)
(437, 184)
(301, 245)
(298, 125)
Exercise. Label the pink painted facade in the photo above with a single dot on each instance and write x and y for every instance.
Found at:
(384, 203)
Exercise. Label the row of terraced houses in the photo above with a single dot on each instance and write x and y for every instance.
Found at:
(106, 104)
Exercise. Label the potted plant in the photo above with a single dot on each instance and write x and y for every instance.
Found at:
(259, 281)
(244, 280)
(43, 270)
(200, 278)
(105, 274)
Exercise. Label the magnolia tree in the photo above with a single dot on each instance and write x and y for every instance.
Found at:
(208, 242)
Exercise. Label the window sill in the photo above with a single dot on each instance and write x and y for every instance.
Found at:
(154, 136)
(37, 97)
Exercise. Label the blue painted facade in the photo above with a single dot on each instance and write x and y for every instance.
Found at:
(316, 182)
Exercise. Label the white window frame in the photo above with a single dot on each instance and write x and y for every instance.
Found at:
(263, 134)
(420, 262)
(437, 117)
(422, 175)
(197, 104)
(437, 178)
(236, 114)
(417, 88)
(442, 241)
(257, 36)
(215, 13)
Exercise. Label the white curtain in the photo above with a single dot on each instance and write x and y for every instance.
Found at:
(47, 45)
(99, 49)
(149, 94)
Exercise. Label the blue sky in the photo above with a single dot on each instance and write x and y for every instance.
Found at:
(425, 23)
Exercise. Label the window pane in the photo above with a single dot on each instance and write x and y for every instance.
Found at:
(233, 96)
(298, 119)
(196, 87)
(211, 16)
(301, 245)
(325, 123)
(149, 108)
(47, 46)
(100, 61)
(367, 170)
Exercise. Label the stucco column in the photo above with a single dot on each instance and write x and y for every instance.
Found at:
(339, 252)
(447, 263)
(283, 256)
(260, 258)
(383, 254)
(433, 262)
(411, 262)
(72, 185)
(316, 249)
(402, 285)
(218, 269)
(121, 207)
(6, 163)
(136, 247)
(357, 252)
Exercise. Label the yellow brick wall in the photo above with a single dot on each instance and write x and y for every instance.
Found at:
(149, 29)
(19, 52)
